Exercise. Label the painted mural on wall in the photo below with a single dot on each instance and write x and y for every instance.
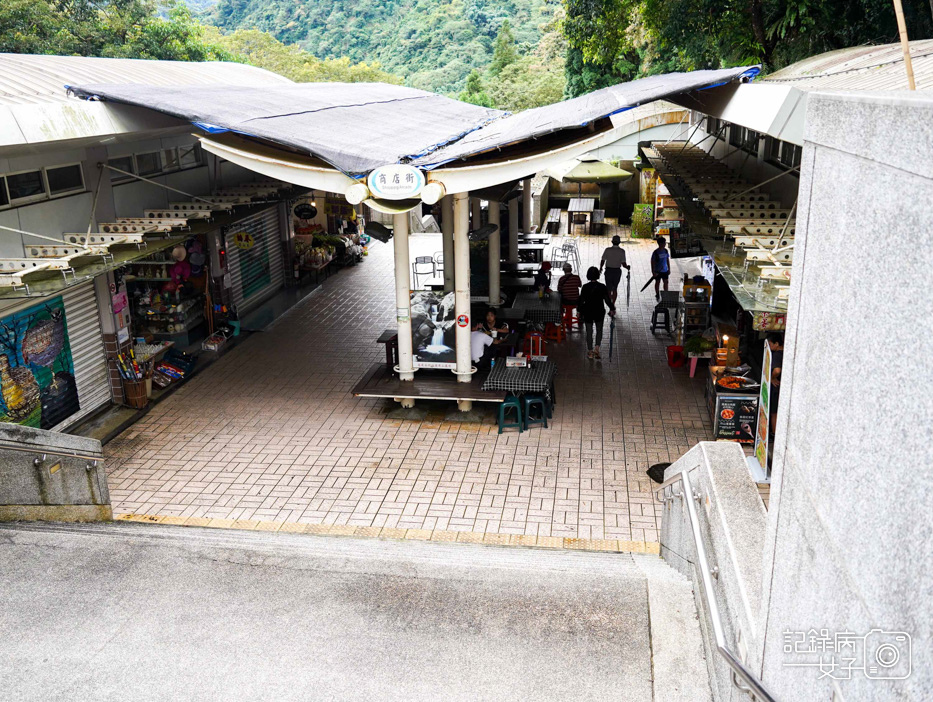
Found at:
(37, 382)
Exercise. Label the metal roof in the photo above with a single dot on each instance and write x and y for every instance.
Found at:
(860, 68)
(35, 79)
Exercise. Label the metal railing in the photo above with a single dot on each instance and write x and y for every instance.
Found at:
(749, 682)
(41, 452)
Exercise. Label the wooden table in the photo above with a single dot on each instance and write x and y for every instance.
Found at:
(583, 205)
(535, 251)
(508, 267)
(552, 223)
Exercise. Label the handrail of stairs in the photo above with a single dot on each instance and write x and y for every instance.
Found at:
(749, 681)
(43, 451)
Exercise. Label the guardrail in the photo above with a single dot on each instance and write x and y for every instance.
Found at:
(43, 452)
(749, 681)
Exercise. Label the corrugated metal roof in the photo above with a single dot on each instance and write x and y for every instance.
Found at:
(861, 68)
(31, 79)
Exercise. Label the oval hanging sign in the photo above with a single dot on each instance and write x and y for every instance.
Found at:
(395, 182)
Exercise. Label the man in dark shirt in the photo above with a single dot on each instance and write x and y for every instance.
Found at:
(593, 297)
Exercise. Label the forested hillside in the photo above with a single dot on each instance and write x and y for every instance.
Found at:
(432, 44)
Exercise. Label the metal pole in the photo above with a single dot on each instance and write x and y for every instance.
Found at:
(406, 368)
(527, 205)
(447, 241)
(905, 43)
(513, 230)
(702, 119)
(687, 114)
(464, 369)
(495, 255)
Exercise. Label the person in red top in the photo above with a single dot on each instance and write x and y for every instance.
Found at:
(569, 286)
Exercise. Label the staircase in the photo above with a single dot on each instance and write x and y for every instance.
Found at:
(188, 613)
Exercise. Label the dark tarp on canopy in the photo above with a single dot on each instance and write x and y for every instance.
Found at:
(357, 127)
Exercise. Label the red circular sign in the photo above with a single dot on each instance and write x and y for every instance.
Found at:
(463, 320)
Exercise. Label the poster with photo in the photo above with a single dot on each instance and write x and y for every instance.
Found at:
(433, 329)
(37, 383)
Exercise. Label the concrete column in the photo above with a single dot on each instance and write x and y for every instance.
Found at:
(494, 254)
(476, 216)
(464, 368)
(403, 300)
(447, 241)
(513, 230)
(527, 204)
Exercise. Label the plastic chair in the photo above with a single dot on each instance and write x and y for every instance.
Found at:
(555, 332)
(535, 402)
(571, 318)
(439, 260)
(511, 402)
(533, 344)
(419, 267)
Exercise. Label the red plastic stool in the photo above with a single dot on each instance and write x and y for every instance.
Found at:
(571, 318)
(534, 345)
(555, 332)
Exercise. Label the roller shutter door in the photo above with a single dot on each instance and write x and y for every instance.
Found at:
(254, 258)
(82, 319)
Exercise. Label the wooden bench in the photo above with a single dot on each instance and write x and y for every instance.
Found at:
(390, 338)
(380, 381)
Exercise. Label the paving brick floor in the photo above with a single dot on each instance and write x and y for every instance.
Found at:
(271, 432)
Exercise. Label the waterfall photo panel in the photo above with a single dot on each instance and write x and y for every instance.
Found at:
(433, 329)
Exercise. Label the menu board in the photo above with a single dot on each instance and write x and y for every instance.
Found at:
(736, 417)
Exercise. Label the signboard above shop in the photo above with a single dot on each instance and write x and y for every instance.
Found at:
(396, 182)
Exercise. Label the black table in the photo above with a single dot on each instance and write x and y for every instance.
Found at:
(546, 309)
(538, 378)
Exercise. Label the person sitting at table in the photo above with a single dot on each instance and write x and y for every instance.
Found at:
(569, 286)
(543, 278)
(481, 348)
(592, 298)
(496, 329)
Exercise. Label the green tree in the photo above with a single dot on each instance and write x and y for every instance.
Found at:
(504, 52)
(475, 93)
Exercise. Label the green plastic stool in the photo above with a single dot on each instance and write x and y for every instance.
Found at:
(532, 402)
(511, 402)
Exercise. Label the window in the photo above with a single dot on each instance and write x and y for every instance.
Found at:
(65, 179)
(25, 187)
(189, 156)
(713, 125)
(170, 159)
(4, 198)
(148, 164)
(783, 153)
(736, 135)
(124, 163)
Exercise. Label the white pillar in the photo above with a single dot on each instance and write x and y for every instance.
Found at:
(447, 241)
(403, 300)
(494, 255)
(464, 368)
(476, 207)
(513, 230)
(527, 204)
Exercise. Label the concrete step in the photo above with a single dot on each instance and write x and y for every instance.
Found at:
(93, 611)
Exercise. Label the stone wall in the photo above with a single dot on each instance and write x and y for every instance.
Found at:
(46, 475)
(850, 534)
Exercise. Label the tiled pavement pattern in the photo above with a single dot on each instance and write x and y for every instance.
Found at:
(271, 433)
